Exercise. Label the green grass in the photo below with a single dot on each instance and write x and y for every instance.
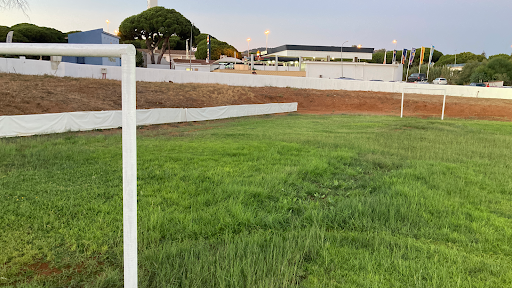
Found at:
(272, 201)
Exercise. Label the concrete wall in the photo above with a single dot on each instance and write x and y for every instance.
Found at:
(36, 67)
(355, 70)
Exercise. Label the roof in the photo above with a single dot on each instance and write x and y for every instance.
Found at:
(228, 60)
(319, 48)
(97, 31)
(188, 61)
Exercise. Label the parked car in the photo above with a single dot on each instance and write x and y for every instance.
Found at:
(417, 77)
(478, 84)
(440, 81)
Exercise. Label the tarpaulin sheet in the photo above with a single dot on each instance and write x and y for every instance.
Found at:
(25, 125)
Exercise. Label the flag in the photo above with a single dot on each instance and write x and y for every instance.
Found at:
(394, 57)
(9, 37)
(411, 57)
(422, 56)
(431, 54)
(208, 50)
(404, 56)
(384, 57)
(430, 59)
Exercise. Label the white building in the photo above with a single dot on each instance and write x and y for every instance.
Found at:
(152, 3)
(354, 70)
(288, 57)
(319, 53)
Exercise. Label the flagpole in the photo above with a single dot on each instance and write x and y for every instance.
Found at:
(430, 59)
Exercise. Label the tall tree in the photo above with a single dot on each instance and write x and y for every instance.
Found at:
(155, 26)
(218, 48)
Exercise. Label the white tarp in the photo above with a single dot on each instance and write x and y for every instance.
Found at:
(25, 125)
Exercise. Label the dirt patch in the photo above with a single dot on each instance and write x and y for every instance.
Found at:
(43, 269)
(22, 94)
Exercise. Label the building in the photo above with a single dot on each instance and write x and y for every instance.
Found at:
(293, 57)
(152, 3)
(318, 53)
(354, 70)
(97, 36)
(192, 65)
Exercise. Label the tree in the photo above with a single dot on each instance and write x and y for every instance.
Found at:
(467, 71)
(378, 56)
(463, 57)
(14, 4)
(218, 48)
(156, 26)
(497, 69)
(36, 34)
(30, 33)
(506, 56)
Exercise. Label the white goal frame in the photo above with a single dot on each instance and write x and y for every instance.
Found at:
(127, 54)
(416, 88)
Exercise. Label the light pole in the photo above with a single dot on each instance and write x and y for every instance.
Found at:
(266, 45)
(191, 37)
(248, 53)
(394, 42)
(342, 58)
(116, 32)
(108, 26)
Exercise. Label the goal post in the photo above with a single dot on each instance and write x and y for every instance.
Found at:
(416, 88)
(129, 132)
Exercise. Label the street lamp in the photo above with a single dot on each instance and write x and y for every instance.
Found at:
(394, 42)
(248, 53)
(116, 32)
(266, 45)
(342, 58)
(108, 26)
(359, 46)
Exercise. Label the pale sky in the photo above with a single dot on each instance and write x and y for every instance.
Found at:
(449, 25)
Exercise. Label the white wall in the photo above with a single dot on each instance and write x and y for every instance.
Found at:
(25, 125)
(35, 67)
(355, 70)
(273, 68)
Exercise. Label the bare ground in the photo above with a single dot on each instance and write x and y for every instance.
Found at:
(22, 94)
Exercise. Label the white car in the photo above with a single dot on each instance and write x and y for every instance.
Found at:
(440, 81)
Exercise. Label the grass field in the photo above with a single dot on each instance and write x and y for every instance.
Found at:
(272, 201)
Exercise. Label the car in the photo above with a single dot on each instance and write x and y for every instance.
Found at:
(478, 84)
(417, 77)
(440, 81)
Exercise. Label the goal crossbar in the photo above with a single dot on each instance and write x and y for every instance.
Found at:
(127, 54)
(416, 88)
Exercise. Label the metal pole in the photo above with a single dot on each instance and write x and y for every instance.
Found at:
(191, 27)
(129, 140)
(266, 44)
(342, 58)
(402, 109)
(444, 105)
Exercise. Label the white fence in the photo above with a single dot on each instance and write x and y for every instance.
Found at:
(25, 125)
(35, 67)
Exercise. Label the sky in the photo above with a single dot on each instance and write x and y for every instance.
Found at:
(452, 26)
